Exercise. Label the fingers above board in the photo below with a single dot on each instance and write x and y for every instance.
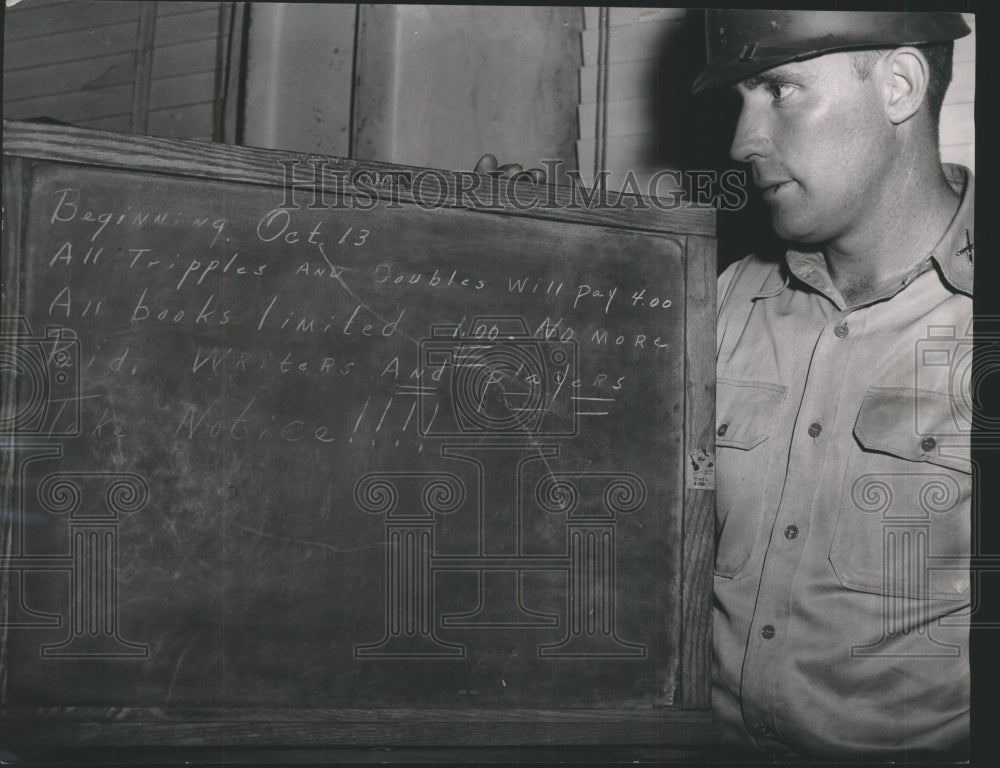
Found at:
(488, 164)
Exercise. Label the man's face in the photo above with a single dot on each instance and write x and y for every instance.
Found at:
(816, 137)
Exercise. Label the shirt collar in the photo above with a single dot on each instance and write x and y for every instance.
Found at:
(775, 283)
(953, 254)
(955, 251)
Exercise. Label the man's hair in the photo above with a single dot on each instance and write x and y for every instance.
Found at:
(938, 55)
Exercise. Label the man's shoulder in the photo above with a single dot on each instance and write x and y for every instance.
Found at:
(739, 285)
(750, 261)
(746, 276)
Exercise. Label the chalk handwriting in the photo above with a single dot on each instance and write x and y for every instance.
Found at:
(217, 360)
(549, 329)
(353, 324)
(145, 259)
(276, 225)
(68, 208)
(209, 314)
(639, 299)
(384, 274)
(65, 255)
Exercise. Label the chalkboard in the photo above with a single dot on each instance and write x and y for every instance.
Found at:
(300, 450)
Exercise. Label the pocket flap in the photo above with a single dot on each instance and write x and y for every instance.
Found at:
(745, 412)
(914, 424)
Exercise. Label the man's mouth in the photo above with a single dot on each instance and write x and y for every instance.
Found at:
(771, 189)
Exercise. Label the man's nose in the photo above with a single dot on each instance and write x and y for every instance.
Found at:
(752, 138)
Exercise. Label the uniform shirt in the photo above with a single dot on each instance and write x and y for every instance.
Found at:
(843, 496)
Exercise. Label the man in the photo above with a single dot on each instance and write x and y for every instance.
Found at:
(843, 469)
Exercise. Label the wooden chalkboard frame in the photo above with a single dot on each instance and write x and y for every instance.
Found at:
(687, 723)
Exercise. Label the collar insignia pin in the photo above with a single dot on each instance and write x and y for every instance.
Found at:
(969, 249)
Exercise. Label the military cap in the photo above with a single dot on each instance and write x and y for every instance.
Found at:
(742, 43)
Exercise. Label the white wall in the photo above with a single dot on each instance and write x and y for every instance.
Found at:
(429, 85)
(299, 69)
(441, 85)
(958, 127)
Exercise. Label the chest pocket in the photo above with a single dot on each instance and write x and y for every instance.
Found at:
(904, 524)
(745, 418)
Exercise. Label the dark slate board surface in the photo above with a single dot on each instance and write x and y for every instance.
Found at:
(387, 460)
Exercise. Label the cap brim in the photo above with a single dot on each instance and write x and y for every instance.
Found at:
(733, 70)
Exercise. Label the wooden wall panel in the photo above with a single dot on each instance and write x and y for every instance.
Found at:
(69, 47)
(120, 123)
(636, 41)
(181, 91)
(32, 20)
(174, 7)
(86, 74)
(193, 121)
(184, 58)
(96, 63)
(98, 102)
(200, 24)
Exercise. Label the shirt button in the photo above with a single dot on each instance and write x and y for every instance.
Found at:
(928, 444)
(761, 729)
(791, 532)
(722, 430)
(767, 631)
(841, 330)
(815, 429)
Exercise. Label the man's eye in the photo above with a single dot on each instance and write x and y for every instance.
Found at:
(779, 91)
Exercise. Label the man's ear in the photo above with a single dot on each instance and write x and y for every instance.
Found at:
(907, 74)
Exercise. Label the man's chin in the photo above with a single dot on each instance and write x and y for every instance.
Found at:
(796, 231)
